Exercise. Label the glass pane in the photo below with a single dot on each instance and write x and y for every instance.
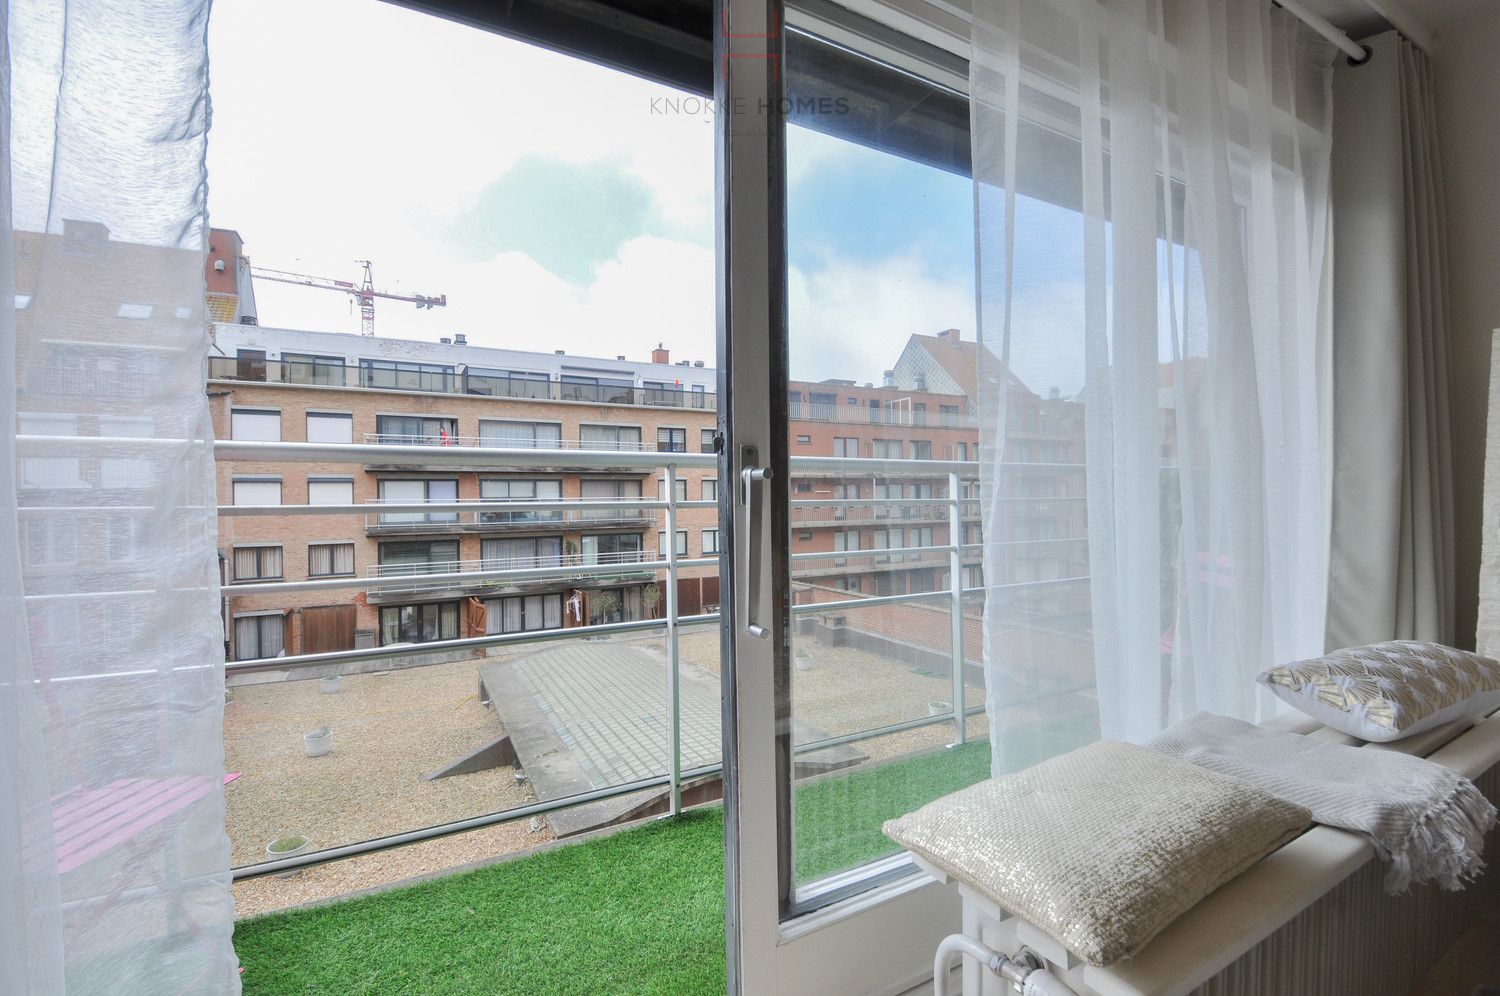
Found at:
(875, 705)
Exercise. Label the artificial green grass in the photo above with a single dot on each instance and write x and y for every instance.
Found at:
(639, 911)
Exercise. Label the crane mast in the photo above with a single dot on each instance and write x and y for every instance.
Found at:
(364, 292)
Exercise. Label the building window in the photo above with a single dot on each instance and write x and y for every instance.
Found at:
(399, 374)
(845, 446)
(919, 414)
(326, 560)
(419, 557)
(521, 553)
(408, 492)
(671, 440)
(661, 393)
(609, 437)
(416, 430)
(823, 407)
(679, 487)
(304, 368)
(133, 309)
(802, 487)
(623, 548)
(507, 383)
(610, 605)
(602, 390)
(511, 489)
(948, 415)
(921, 449)
(523, 613)
(259, 635)
(330, 491)
(520, 435)
(330, 427)
(706, 440)
(804, 536)
(700, 396)
(710, 490)
(804, 440)
(710, 541)
(51, 541)
(257, 563)
(846, 540)
(599, 489)
(661, 543)
(49, 471)
(418, 623)
(256, 490)
(886, 449)
(260, 425)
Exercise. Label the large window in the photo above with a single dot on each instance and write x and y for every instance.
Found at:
(416, 430)
(510, 489)
(304, 368)
(330, 427)
(519, 553)
(406, 491)
(523, 613)
(612, 548)
(330, 560)
(612, 605)
(506, 383)
(418, 623)
(258, 635)
(845, 446)
(257, 563)
(706, 440)
(710, 490)
(256, 490)
(710, 541)
(661, 543)
(261, 425)
(601, 390)
(886, 449)
(404, 375)
(609, 437)
(680, 489)
(419, 557)
(520, 435)
(610, 488)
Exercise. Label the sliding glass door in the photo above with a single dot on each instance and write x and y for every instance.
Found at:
(853, 692)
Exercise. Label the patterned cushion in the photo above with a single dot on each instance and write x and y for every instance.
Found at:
(1102, 847)
(1386, 691)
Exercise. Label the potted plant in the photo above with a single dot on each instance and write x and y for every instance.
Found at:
(330, 684)
(286, 847)
(651, 597)
(318, 742)
(804, 660)
(570, 547)
(939, 707)
(605, 604)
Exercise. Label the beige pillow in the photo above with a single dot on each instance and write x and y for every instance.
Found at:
(1102, 847)
(1386, 691)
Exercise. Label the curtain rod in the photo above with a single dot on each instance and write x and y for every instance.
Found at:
(1356, 52)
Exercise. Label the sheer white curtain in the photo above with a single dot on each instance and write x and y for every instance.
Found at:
(112, 837)
(1151, 195)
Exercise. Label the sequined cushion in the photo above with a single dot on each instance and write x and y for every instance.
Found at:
(1102, 847)
(1386, 691)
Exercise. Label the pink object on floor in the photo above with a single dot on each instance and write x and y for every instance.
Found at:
(88, 822)
(231, 777)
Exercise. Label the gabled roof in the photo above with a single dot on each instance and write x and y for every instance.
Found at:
(959, 357)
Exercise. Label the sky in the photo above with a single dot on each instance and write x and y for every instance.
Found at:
(554, 204)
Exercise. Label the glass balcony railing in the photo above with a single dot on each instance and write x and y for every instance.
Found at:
(459, 380)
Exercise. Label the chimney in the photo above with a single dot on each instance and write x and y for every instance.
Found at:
(889, 380)
(620, 357)
(950, 334)
(558, 352)
(660, 354)
(446, 341)
(460, 339)
(698, 363)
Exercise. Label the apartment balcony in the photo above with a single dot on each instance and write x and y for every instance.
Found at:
(497, 575)
(801, 411)
(389, 518)
(460, 381)
(549, 455)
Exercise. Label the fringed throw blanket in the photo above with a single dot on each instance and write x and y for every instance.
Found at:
(1428, 822)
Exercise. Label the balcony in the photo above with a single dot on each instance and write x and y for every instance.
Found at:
(497, 573)
(460, 381)
(383, 518)
(802, 411)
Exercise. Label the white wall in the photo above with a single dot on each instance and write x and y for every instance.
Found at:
(1468, 99)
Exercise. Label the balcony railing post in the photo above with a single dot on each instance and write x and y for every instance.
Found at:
(674, 718)
(956, 600)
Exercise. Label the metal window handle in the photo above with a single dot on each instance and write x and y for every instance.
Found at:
(749, 477)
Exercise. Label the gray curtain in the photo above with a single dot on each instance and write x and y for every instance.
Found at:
(1391, 555)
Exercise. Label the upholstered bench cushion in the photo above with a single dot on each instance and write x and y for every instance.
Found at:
(1102, 847)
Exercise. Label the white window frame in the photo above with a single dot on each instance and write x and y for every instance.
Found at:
(326, 421)
(250, 483)
(256, 425)
(345, 495)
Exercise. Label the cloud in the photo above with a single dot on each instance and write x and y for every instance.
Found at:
(850, 319)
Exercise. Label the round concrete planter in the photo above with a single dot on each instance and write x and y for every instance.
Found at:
(286, 847)
(331, 684)
(318, 742)
(937, 707)
(804, 662)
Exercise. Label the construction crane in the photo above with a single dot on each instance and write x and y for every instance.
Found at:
(364, 292)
